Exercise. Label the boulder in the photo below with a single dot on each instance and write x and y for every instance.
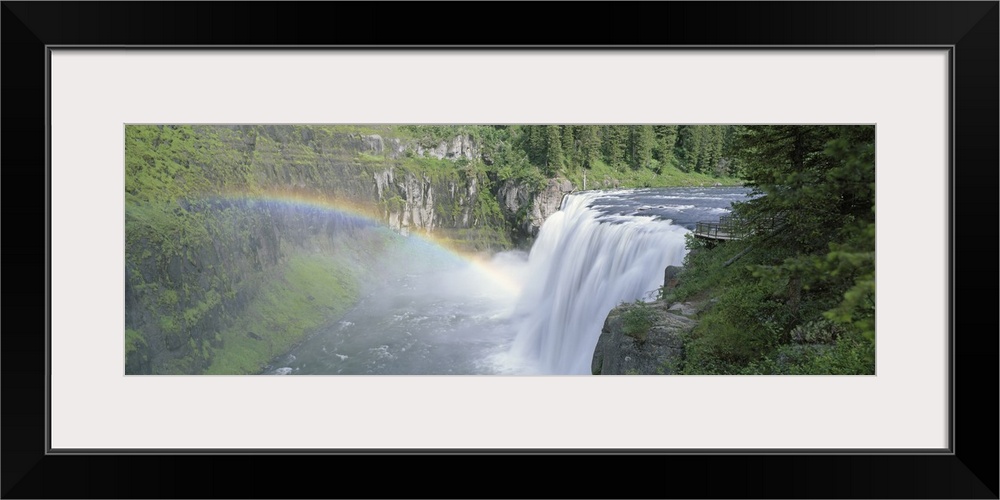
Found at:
(684, 308)
(670, 277)
(656, 351)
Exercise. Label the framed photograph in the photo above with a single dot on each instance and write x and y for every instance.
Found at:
(227, 201)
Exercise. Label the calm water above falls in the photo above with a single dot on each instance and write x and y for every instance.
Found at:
(537, 313)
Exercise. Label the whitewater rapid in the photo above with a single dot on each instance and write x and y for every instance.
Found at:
(583, 264)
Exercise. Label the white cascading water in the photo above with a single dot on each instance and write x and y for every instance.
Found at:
(582, 265)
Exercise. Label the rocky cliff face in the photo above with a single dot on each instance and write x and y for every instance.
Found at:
(647, 339)
(419, 202)
(179, 300)
(530, 209)
(416, 202)
(654, 347)
(193, 264)
(459, 147)
(548, 202)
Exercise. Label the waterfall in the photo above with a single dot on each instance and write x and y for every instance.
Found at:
(582, 265)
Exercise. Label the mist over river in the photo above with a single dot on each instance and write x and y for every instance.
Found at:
(435, 312)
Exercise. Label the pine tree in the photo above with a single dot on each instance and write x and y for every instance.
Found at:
(666, 138)
(553, 152)
(615, 142)
(568, 145)
(694, 149)
(730, 143)
(817, 205)
(714, 135)
(642, 146)
(590, 145)
(534, 143)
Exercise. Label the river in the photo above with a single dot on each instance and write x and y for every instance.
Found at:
(516, 313)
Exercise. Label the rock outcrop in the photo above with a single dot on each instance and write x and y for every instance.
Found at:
(549, 201)
(670, 276)
(656, 349)
(458, 147)
(530, 209)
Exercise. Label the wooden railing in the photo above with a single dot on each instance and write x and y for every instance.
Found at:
(735, 228)
(728, 228)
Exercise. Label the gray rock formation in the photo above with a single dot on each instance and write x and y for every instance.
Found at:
(549, 201)
(417, 211)
(657, 351)
(684, 308)
(373, 143)
(513, 195)
(458, 147)
(670, 275)
(516, 197)
(415, 203)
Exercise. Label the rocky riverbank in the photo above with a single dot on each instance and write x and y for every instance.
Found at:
(646, 338)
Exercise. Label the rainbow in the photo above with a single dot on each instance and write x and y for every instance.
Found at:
(366, 212)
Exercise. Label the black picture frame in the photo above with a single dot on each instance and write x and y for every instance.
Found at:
(968, 470)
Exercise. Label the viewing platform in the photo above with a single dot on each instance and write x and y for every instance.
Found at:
(726, 229)
(732, 228)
